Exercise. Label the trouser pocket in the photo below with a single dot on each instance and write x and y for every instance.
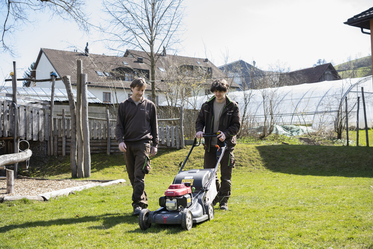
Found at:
(231, 160)
(146, 168)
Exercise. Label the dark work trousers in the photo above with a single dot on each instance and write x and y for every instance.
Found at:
(226, 166)
(137, 157)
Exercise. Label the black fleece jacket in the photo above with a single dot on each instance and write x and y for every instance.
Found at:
(229, 122)
(137, 122)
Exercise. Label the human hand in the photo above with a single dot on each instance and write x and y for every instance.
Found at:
(122, 147)
(221, 136)
(153, 151)
(199, 134)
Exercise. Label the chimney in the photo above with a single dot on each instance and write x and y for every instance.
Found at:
(86, 50)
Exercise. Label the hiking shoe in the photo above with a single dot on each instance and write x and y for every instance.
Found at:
(224, 206)
(136, 211)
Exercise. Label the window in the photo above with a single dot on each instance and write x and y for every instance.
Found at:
(106, 97)
(128, 77)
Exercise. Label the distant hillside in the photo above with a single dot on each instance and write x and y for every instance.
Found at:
(355, 68)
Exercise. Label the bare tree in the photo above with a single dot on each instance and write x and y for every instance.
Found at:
(17, 14)
(146, 25)
(270, 98)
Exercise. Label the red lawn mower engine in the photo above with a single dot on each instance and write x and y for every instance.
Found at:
(177, 197)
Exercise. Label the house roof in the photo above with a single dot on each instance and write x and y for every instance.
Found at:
(312, 74)
(167, 61)
(64, 63)
(361, 20)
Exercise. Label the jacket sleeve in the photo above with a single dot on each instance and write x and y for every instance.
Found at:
(235, 124)
(200, 122)
(119, 132)
(154, 126)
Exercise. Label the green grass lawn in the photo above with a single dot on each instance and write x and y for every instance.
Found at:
(283, 196)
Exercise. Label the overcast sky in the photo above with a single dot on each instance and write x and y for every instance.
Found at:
(292, 34)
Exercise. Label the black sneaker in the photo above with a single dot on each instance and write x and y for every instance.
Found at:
(136, 211)
(224, 206)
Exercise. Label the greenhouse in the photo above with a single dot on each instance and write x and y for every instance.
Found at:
(320, 105)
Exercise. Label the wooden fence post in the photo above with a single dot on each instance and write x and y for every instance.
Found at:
(51, 125)
(365, 117)
(63, 133)
(15, 122)
(85, 126)
(70, 95)
(108, 132)
(9, 181)
(348, 141)
(80, 155)
(182, 127)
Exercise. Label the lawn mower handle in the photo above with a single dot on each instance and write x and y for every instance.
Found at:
(197, 144)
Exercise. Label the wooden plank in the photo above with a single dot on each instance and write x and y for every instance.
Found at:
(6, 119)
(59, 127)
(63, 133)
(172, 128)
(168, 135)
(22, 122)
(41, 125)
(108, 148)
(28, 123)
(46, 126)
(55, 137)
(35, 125)
(68, 128)
(99, 130)
(10, 120)
(161, 135)
(112, 129)
(94, 129)
(177, 138)
(1, 118)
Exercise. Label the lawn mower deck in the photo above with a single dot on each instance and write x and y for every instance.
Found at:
(188, 200)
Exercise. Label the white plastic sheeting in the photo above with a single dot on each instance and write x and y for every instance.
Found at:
(43, 94)
(315, 104)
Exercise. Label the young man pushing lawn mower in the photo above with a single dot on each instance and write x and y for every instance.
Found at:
(219, 115)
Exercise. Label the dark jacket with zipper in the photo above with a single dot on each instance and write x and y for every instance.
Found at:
(229, 122)
(137, 122)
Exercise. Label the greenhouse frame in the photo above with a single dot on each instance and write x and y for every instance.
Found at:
(320, 105)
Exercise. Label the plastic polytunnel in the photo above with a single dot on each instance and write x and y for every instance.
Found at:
(318, 104)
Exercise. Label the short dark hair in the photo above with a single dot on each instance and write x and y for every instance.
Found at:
(219, 85)
(139, 82)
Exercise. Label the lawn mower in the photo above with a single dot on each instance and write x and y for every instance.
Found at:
(189, 198)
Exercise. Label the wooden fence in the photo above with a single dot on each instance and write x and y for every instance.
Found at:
(34, 125)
